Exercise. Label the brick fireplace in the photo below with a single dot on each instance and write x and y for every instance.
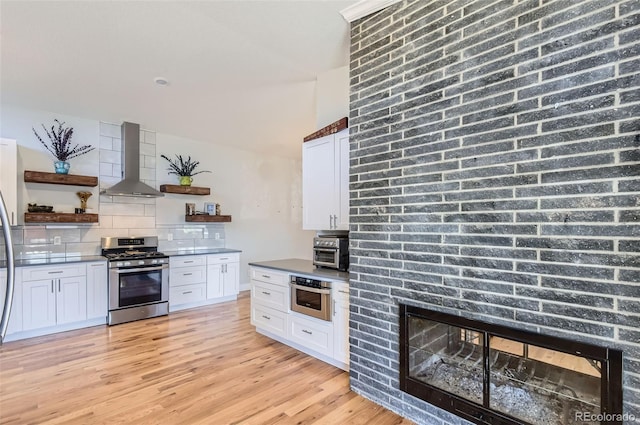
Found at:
(495, 175)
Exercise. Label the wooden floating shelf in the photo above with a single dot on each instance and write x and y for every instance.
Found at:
(202, 218)
(185, 190)
(54, 178)
(60, 218)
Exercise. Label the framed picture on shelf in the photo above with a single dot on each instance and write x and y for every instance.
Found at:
(210, 208)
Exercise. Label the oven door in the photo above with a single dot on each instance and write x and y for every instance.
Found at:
(327, 257)
(313, 302)
(138, 286)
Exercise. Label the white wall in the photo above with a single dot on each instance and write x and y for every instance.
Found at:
(332, 96)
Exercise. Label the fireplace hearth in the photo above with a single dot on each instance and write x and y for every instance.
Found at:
(490, 374)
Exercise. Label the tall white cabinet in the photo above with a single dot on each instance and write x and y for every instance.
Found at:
(9, 177)
(325, 182)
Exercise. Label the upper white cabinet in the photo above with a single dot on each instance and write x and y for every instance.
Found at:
(8, 177)
(325, 182)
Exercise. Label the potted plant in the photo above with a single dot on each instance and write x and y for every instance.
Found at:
(184, 168)
(60, 148)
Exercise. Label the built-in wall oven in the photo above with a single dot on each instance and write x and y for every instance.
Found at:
(138, 279)
(311, 297)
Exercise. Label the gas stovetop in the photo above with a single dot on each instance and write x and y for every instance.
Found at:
(133, 255)
(133, 251)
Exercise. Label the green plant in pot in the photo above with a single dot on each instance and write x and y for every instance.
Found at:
(61, 149)
(184, 168)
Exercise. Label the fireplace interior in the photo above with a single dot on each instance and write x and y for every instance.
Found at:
(490, 374)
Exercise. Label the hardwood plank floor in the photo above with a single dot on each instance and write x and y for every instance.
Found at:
(200, 366)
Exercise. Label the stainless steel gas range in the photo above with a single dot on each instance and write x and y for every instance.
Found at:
(138, 278)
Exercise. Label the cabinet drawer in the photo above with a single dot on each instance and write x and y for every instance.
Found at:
(53, 272)
(269, 319)
(187, 276)
(223, 258)
(188, 294)
(270, 276)
(274, 296)
(340, 290)
(316, 336)
(188, 261)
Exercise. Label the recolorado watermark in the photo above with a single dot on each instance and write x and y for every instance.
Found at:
(604, 417)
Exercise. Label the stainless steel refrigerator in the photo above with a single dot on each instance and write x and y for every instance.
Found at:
(9, 285)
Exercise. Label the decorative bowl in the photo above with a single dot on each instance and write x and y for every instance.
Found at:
(34, 208)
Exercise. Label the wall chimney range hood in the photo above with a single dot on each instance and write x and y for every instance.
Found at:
(131, 184)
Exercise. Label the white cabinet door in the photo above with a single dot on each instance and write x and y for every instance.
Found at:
(15, 317)
(325, 183)
(71, 299)
(342, 179)
(214, 281)
(97, 290)
(38, 304)
(311, 333)
(231, 279)
(9, 177)
(318, 183)
(341, 322)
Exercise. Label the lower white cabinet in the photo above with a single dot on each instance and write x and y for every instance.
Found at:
(97, 290)
(196, 280)
(15, 317)
(271, 315)
(340, 294)
(59, 299)
(312, 333)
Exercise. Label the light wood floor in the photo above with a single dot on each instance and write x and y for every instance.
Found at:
(201, 366)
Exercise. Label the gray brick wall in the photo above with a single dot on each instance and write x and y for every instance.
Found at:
(495, 173)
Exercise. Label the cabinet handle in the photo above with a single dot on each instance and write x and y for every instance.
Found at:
(57, 272)
(224, 258)
(188, 292)
(330, 221)
(266, 293)
(187, 274)
(52, 286)
(343, 292)
(12, 220)
(335, 221)
(307, 332)
(224, 268)
(59, 288)
(188, 262)
(334, 307)
(266, 317)
(266, 276)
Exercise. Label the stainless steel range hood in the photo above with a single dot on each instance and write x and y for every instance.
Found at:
(131, 184)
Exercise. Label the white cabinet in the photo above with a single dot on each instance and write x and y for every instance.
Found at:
(15, 317)
(272, 316)
(97, 290)
(340, 294)
(53, 295)
(325, 182)
(270, 301)
(311, 333)
(223, 275)
(187, 281)
(9, 178)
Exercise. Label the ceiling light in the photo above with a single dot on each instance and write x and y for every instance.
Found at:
(161, 81)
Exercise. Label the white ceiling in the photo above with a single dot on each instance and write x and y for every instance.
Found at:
(241, 72)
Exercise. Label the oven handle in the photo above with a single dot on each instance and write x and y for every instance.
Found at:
(139, 269)
(309, 289)
(325, 249)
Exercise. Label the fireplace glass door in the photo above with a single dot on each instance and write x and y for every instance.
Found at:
(490, 374)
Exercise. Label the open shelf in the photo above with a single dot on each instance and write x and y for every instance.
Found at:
(184, 190)
(54, 178)
(60, 218)
(202, 218)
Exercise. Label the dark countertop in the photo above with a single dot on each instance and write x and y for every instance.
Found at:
(54, 260)
(200, 251)
(303, 267)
